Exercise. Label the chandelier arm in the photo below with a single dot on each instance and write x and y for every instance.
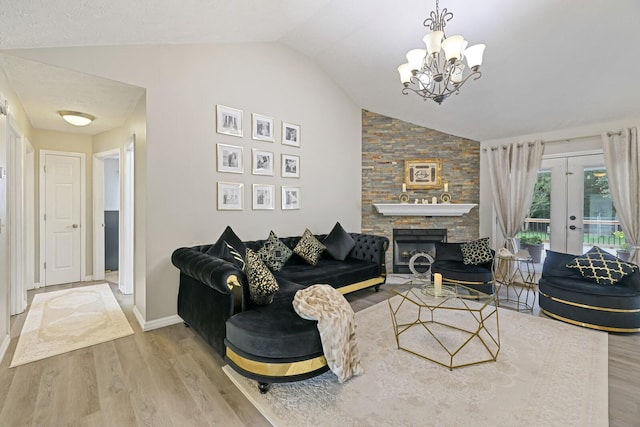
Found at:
(458, 85)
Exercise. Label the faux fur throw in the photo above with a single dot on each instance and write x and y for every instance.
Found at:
(337, 327)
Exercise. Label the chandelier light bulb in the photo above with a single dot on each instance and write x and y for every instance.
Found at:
(415, 58)
(405, 73)
(473, 54)
(452, 47)
(433, 41)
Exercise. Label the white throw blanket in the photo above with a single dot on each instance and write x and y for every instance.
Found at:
(337, 327)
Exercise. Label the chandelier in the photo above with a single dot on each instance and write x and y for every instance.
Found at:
(438, 71)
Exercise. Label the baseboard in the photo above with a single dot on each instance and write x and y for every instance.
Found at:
(157, 323)
(4, 346)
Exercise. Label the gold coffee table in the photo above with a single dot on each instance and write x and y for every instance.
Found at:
(457, 328)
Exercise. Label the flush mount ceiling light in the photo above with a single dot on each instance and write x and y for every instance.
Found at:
(76, 118)
(438, 71)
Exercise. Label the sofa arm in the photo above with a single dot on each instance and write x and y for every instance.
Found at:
(214, 272)
(370, 248)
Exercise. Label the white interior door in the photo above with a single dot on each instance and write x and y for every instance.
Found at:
(62, 219)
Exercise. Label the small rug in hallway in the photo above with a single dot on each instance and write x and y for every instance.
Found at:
(70, 319)
(547, 374)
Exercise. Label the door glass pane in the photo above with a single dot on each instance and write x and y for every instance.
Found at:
(601, 226)
(534, 235)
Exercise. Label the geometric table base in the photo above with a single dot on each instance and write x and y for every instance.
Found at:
(456, 331)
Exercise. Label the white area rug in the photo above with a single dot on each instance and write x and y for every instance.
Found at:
(547, 374)
(70, 319)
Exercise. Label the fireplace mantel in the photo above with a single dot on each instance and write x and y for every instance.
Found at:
(419, 209)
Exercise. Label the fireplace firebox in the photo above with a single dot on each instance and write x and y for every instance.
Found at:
(409, 241)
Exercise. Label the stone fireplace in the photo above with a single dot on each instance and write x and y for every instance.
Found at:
(409, 241)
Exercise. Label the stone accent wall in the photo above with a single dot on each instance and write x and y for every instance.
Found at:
(386, 144)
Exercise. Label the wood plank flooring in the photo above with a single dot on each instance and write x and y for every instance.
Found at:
(170, 377)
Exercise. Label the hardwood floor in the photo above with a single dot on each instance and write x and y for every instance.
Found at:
(170, 377)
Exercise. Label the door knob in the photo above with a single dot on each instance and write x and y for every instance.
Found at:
(573, 227)
(572, 217)
(75, 225)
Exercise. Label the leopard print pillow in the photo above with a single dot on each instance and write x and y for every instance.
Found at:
(309, 248)
(262, 283)
(274, 253)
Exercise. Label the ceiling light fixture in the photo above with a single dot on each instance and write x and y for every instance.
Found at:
(76, 118)
(438, 71)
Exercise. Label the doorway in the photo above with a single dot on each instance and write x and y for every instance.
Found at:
(572, 209)
(113, 215)
(62, 205)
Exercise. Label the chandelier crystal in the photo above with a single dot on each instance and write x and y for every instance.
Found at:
(439, 71)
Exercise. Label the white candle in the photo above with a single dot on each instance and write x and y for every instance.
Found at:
(446, 187)
(434, 200)
(404, 187)
(437, 283)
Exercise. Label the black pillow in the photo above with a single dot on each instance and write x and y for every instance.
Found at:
(448, 252)
(338, 243)
(229, 236)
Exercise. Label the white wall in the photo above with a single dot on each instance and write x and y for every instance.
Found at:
(111, 184)
(184, 84)
(559, 142)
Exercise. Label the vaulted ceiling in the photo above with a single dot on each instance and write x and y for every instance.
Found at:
(549, 64)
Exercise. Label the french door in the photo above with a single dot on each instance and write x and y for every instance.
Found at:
(573, 193)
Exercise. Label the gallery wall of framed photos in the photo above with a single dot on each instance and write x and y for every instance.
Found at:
(263, 165)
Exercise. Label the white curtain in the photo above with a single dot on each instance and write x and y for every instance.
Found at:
(513, 170)
(621, 157)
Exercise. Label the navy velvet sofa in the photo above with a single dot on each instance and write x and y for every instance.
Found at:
(269, 343)
(565, 295)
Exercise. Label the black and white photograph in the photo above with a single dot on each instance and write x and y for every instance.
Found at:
(229, 120)
(262, 162)
(262, 128)
(263, 197)
(290, 198)
(290, 166)
(290, 134)
(230, 158)
(230, 196)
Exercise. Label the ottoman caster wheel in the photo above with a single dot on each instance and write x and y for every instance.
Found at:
(263, 387)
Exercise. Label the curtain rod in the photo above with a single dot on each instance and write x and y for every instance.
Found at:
(614, 133)
(521, 144)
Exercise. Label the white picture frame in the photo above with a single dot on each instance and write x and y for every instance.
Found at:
(262, 162)
(229, 121)
(263, 197)
(290, 166)
(290, 198)
(262, 128)
(290, 134)
(230, 196)
(230, 158)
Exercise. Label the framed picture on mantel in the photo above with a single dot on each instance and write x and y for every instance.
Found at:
(423, 173)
